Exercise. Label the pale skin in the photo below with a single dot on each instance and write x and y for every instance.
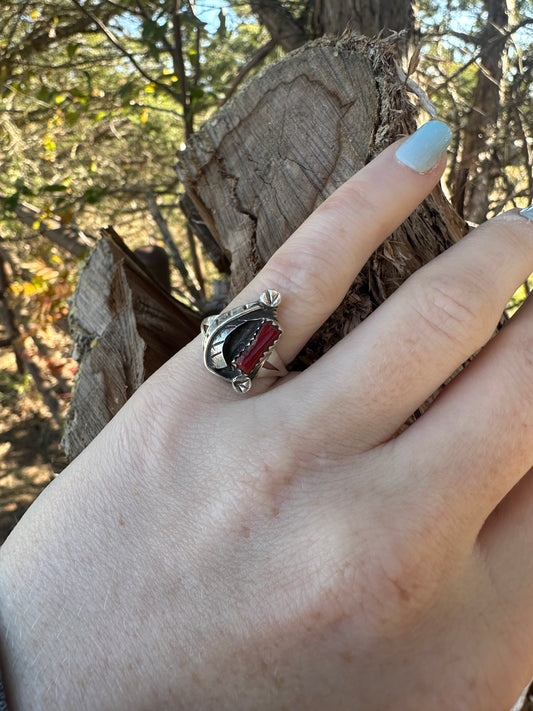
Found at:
(285, 550)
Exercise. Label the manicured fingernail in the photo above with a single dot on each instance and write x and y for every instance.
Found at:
(527, 212)
(423, 149)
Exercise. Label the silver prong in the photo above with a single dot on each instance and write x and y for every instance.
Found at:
(206, 323)
(270, 297)
(241, 383)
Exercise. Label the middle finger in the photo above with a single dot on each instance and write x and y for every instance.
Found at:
(374, 379)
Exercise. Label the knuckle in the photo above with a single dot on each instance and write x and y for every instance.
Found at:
(513, 230)
(455, 309)
(311, 270)
(351, 200)
(304, 274)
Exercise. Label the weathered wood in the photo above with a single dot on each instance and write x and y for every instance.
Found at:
(287, 141)
(124, 326)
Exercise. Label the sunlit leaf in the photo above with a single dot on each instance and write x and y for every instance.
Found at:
(48, 143)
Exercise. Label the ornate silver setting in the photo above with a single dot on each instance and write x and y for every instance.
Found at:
(239, 344)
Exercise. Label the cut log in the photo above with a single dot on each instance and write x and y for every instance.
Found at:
(292, 136)
(124, 326)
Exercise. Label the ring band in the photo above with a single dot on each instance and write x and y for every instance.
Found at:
(239, 344)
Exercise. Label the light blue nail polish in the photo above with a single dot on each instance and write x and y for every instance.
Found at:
(422, 150)
(527, 212)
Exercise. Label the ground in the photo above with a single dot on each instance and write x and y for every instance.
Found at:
(30, 451)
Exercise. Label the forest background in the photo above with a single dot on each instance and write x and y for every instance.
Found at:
(98, 95)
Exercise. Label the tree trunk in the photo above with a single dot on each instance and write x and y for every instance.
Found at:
(471, 187)
(366, 17)
(335, 17)
(286, 30)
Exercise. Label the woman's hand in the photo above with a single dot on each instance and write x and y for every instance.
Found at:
(284, 550)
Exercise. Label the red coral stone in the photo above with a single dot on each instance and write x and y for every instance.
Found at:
(265, 337)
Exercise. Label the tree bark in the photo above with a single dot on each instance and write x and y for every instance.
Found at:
(285, 29)
(366, 17)
(297, 132)
(335, 17)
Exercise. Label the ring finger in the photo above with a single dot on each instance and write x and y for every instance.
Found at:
(431, 325)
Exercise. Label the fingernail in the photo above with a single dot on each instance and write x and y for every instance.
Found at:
(527, 212)
(423, 149)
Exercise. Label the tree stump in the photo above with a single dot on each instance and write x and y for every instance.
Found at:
(292, 136)
(254, 173)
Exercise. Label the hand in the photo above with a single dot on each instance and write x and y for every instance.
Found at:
(285, 550)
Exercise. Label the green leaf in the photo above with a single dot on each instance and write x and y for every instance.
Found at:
(152, 31)
(129, 91)
(72, 48)
(11, 202)
(53, 188)
(22, 188)
(196, 92)
(94, 194)
(45, 94)
(71, 116)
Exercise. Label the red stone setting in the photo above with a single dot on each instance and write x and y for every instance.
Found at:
(265, 337)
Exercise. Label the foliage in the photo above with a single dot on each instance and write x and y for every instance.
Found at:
(453, 59)
(15, 384)
(96, 98)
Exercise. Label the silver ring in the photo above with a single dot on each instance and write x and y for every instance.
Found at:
(239, 345)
